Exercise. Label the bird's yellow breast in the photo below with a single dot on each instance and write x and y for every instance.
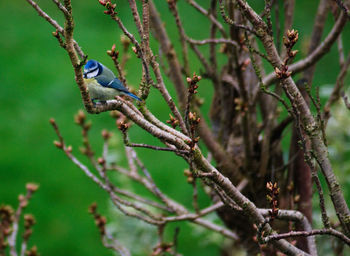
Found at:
(98, 92)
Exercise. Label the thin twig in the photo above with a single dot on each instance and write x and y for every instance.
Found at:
(55, 25)
(231, 22)
(316, 54)
(23, 202)
(140, 145)
(209, 15)
(61, 7)
(343, 7)
(326, 231)
(212, 41)
(346, 101)
(180, 28)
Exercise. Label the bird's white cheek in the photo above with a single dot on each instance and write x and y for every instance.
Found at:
(92, 74)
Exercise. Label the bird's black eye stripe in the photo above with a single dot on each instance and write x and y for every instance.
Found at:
(91, 70)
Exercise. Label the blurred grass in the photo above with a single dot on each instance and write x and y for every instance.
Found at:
(37, 82)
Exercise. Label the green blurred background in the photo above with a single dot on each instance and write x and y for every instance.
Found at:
(37, 83)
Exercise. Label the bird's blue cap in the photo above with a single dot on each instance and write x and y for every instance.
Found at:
(91, 64)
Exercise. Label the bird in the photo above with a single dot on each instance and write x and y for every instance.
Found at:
(102, 83)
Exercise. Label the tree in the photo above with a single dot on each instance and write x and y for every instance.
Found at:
(245, 162)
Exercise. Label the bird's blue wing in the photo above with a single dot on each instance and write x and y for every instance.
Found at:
(103, 81)
(117, 84)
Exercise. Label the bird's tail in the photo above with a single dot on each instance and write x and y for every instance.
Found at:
(133, 96)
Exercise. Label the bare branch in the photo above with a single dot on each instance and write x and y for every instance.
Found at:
(330, 231)
(315, 135)
(343, 7)
(317, 53)
(23, 203)
(209, 15)
(212, 41)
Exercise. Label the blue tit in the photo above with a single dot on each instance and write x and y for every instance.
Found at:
(102, 83)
